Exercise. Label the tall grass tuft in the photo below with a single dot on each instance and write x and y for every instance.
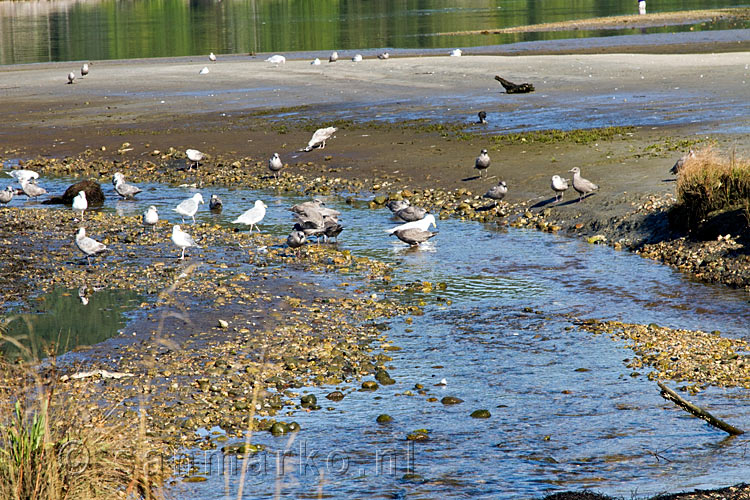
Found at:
(711, 183)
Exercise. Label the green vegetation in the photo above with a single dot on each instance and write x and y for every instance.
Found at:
(709, 184)
(579, 136)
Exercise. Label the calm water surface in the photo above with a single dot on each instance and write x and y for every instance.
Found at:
(65, 30)
(566, 414)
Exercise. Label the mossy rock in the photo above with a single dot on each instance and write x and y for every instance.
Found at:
(451, 400)
(369, 385)
(335, 396)
(480, 414)
(384, 418)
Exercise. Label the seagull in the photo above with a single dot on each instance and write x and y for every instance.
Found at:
(559, 186)
(275, 164)
(195, 156)
(331, 228)
(80, 203)
(320, 137)
(253, 216)
(583, 186)
(423, 224)
(498, 192)
(7, 194)
(357, 58)
(333, 57)
(482, 117)
(124, 189)
(182, 239)
(383, 56)
(23, 175)
(215, 204)
(295, 240)
(482, 162)
(82, 295)
(189, 207)
(315, 62)
(396, 205)
(71, 77)
(212, 57)
(681, 162)
(411, 214)
(84, 69)
(413, 236)
(203, 71)
(88, 246)
(314, 209)
(151, 217)
(641, 7)
(31, 189)
(456, 53)
(277, 59)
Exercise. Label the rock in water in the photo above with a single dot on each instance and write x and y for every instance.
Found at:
(94, 194)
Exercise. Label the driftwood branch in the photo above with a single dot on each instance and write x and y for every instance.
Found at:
(699, 412)
(512, 88)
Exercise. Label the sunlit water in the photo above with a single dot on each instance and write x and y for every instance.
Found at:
(65, 30)
(566, 414)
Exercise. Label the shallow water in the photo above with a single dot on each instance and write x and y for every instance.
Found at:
(67, 30)
(566, 414)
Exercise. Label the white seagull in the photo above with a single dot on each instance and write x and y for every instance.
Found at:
(383, 56)
(315, 62)
(71, 77)
(151, 217)
(88, 246)
(182, 239)
(7, 194)
(253, 216)
(333, 57)
(23, 175)
(320, 137)
(276, 59)
(31, 189)
(275, 164)
(84, 69)
(203, 71)
(423, 224)
(559, 186)
(195, 156)
(189, 207)
(357, 58)
(123, 188)
(212, 57)
(80, 203)
(456, 53)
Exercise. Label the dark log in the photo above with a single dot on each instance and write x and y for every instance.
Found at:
(512, 88)
(699, 412)
(94, 194)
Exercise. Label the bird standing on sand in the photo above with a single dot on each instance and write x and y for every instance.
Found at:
(182, 239)
(456, 53)
(80, 203)
(31, 189)
(498, 192)
(212, 57)
(276, 59)
(253, 216)
(320, 137)
(127, 191)
(189, 207)
(482, 117)
(333, 57)
(581, 185)
(215, 204)
(195, 156)
(295, 240)
(88, 246)
(275, 164)
(7, 194)
(151, 217)
(84, 69)
(383, 56)
(71, 77)
(559, 186)
(357, 58)
(677, 167)
(482, 162)
(315, 62)
(413, 236)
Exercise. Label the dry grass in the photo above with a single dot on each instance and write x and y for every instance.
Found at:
(711, 183)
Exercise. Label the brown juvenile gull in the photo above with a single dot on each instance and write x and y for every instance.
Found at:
(319, 138)
(7, 194)
(482, 162)
(127, 191)
(275, 164)
(559, 186)
(396, 205)
(583, 186)
(414, 236)
(182, 239)
(189, 207)
(88, 246)
(411, 214)
(498, 192)
(690, 155)
(316, 207)
(31, 189)
(295, 240)
(331, 228)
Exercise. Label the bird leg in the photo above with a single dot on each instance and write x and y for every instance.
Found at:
(182, 257)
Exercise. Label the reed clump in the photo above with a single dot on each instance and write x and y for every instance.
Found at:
(711, 183)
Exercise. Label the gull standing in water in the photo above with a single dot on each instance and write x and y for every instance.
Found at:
(127, 191)
(320, 137)
(482, 162)
(189, 207)
(215, 204)
(182, 239)
(413, 236)
(482, 117)
(559, 186)
(23, 175)
(7, 194)
(423, 224)
(88, 246)
(275, 164)
(80, 203)
(195, 156)
(253, 216)
(151, 217)
(31, 189)
(581, 185)
(411, 214)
